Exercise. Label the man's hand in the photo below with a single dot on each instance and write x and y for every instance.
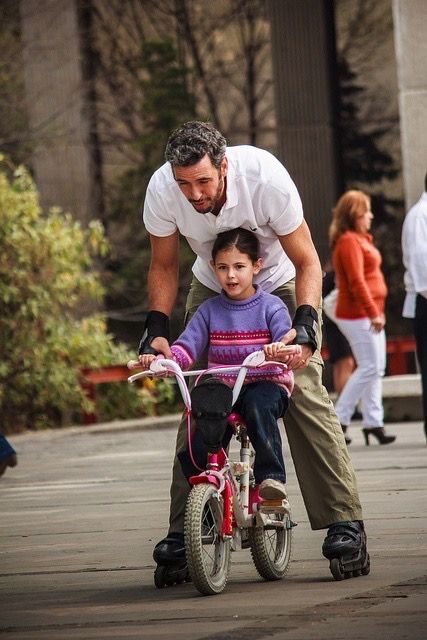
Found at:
(156, 335)
(300, 358)
(160, 346)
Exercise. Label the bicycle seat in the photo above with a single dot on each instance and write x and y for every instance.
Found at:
(211, 403)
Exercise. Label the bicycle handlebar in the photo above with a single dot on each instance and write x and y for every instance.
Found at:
(254, 360)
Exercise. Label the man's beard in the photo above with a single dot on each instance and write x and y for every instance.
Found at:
(207, 209)
(214, 201)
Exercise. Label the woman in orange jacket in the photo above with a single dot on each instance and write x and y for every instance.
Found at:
(360, 307)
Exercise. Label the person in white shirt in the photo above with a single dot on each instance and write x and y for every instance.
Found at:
(414, 249)
(205, 188)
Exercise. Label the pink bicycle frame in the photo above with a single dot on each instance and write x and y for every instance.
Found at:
(217, 465)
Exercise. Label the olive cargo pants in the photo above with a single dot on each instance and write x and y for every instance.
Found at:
(323, 467)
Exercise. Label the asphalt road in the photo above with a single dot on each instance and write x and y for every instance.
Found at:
(81, 512)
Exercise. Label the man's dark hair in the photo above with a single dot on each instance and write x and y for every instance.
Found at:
(244, 240)
(425, 183)
(188, 144)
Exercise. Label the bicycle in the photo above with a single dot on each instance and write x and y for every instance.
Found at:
(224, 511)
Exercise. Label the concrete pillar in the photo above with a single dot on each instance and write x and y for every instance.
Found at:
(410, 33)
(55, 99)
(303, 44)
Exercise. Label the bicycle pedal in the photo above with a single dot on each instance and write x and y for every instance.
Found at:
(277, 505)
(273, 503)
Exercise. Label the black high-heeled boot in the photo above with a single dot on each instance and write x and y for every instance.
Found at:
(379, 433)
(344, 430)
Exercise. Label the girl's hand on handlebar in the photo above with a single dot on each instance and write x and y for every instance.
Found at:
(273, 350)
(145, 360)
(281, 352)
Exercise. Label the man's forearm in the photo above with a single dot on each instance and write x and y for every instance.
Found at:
(307, 292)
(162, 286)
(308, 285)
(300, 249)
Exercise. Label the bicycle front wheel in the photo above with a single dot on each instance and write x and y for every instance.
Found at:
(208, 554)
(271, 548)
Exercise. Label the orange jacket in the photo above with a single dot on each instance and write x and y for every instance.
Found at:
(361, 286)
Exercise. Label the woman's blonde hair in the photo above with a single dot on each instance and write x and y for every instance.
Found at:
(349, 207)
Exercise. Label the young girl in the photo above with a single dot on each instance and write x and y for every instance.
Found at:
(243, 319)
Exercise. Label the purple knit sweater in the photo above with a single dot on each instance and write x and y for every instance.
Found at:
(231, 330)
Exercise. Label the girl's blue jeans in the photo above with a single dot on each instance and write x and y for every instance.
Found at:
(260, 404)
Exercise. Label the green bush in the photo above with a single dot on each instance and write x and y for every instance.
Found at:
(47, 281)
(119, 400)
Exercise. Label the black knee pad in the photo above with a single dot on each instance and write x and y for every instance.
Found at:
(211, 403)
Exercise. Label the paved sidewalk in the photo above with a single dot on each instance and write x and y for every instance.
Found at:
(85, 506)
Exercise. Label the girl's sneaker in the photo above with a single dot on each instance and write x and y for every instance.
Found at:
(271, 489)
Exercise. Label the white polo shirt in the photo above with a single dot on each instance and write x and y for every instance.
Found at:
(261, 196)
(414, 249)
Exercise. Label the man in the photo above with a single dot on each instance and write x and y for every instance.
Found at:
(414, 248)
(205, 188)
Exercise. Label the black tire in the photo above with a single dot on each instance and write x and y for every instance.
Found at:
(271, 548)
(208, 555)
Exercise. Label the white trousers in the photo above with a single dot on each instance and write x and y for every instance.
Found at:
(365, 383)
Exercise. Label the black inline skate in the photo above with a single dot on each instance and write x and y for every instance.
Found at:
(171, 568)
(345, 548)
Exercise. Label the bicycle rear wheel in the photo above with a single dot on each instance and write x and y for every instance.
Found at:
(208, 555)
(271, 548)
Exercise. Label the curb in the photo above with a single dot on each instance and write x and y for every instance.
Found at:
(136, 424)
